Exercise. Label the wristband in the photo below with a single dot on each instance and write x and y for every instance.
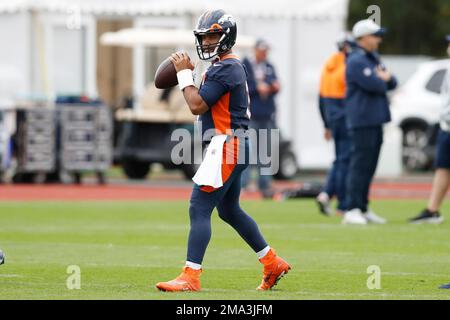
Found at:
(185, 78)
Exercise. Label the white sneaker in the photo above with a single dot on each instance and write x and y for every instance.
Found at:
(373, 218)
(323, 201)
(354, 216)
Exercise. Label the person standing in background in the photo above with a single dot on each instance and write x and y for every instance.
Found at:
(367, 110)
(263, 86)
(332, 111)
(441, 181)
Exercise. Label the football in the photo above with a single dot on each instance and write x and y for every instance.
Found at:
(2, 257)
(166, 75)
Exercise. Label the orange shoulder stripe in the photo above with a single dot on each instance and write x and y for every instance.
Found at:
(230, 56)
(220, 114)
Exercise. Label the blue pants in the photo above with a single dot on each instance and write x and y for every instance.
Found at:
(337, 177)
(366, 147)
(226, 200)
(442, 160)
(264, 181)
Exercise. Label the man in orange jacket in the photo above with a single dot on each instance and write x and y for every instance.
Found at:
(331, 103)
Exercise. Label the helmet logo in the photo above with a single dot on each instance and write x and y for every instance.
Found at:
(227, 17)
(215, 26)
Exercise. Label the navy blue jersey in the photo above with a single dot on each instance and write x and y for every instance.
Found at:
(366, 103)
(224, 89)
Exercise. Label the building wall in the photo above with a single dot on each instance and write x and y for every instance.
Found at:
(315, 43)
(66, 54)
(14, 54)
(38, 49)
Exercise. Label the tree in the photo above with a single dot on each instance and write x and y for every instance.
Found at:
(414, 27)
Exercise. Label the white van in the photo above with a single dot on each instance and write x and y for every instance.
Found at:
(415, 109)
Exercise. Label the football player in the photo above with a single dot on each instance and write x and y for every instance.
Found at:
(221, 104)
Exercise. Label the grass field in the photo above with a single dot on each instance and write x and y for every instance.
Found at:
(124, 248)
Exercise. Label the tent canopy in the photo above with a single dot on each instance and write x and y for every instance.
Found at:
(251, 8)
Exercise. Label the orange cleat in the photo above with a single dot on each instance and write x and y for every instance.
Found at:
(188, 280)
(274, 269)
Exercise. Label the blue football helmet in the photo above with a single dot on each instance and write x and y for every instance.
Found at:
(215, 22)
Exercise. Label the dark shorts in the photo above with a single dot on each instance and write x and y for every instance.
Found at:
(443, 151)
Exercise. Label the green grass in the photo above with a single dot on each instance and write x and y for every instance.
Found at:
(124, 248)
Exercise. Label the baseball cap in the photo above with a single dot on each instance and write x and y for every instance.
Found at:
(366, 28)
(262, 44)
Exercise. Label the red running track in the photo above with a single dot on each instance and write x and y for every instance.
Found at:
(123, 192)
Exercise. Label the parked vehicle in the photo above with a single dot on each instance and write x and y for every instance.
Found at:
(415, 109)
(144, 135)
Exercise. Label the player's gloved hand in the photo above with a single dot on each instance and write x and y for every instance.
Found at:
(181, 61)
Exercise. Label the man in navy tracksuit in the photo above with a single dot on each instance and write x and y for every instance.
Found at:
(263, 86)
(367, 109)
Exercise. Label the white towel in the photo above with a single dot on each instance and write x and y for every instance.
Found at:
(210, 171)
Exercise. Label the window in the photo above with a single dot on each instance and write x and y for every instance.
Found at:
(436, 81)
